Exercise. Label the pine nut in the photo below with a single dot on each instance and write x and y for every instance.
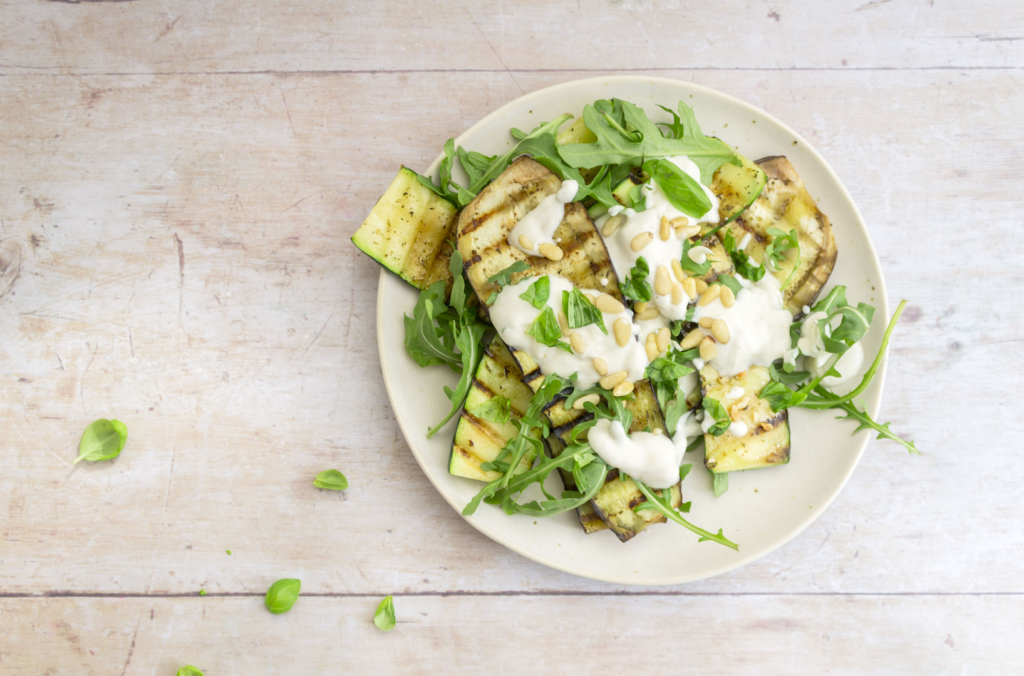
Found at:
(657, 431)
(664, 335)
(666, 229)
(677, 270)
(576, 342)
(741, 375)
(678, 222)
(606, 303)
(648, 314)
(525, 242)
(692, 339)
(651, 347)
(641, 240)
(640, 307)
(613, 224)
(623, 331)
(710, 295)
(728, 298)
(720, 330)
(550, 251)
(587, 398)
(708, 349)
(705, 322)
(662, 281)
(766, 426)
(601, 366)
(687, 231)
(690, 287)
(742, 403)
(622, 389)
(677, 293)
(563, 323)
(610, 381)
(701, 285)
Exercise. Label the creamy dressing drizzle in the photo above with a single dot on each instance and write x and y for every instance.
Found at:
(512, 317)
(849, 366)
(658, 253)
(651, 458)
(758, 326)
(540, 224)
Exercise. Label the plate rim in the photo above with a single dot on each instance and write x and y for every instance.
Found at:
(880, 374)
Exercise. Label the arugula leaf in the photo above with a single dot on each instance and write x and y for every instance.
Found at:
(497, 409)
(546, 331)
(714, 408)
(538, 293)
(580, 312)
(332, 480)
(282, 595)
(189, 670)
(731, 282)
(680, 189)
(616, 145)
(787, 377)
(662, 503)
(544, 149)
(102, 440)
(866, 422)
(720, 483)
(688, 264)
(423, 339)
(775, 252)
(744, 263)
(638, 198)
(500, 163)
(384, 618)
(636, 286)
(504, 277)
(469, 343)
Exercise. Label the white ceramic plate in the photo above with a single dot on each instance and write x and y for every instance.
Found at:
(763, 509)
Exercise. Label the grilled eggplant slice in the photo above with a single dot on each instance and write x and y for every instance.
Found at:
(785, 204)
(478, 440)
(406, 231)
(767, 440)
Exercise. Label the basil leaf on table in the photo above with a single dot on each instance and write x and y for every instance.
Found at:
(102, 440)
(384, 618)
(189, 670)
(282, 595)
(331, 480)
(720, 483)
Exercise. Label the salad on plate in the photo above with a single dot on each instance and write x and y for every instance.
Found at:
(617, 295)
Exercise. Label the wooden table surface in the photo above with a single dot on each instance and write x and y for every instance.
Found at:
(178, 185)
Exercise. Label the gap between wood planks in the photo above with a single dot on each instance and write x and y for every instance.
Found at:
(60, 71)
(445, 594)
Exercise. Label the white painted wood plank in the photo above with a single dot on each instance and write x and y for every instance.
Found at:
(524, 634)
(277, 35)
(245, 361)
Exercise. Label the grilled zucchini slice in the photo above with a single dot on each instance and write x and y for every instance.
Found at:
(478, 440)
(785, 204)
(406, 231)
(767, 440)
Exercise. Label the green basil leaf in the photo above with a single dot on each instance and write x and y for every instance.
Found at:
(731, 282)
(684, 470)
(384, 618)
(282, 595)
(638, 198)
(580, 311)
(332, 480)
(714, 408)
(687, 263)
(102, 440)
(720, 483)
(680, 189)
(497, 409)
(546, 331)
(504, 277)
(202, 592)
(744, 263)
(189, 670)
(538, 293)
(636, 286)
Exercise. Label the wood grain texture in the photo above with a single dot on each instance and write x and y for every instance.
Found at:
(174, 253)
(733, 635)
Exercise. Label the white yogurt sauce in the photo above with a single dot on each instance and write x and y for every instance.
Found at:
(651, 458)
(758, 326)
(540, 224)
(658, 252)
(849, 365)
(512, 317)
(810, 342)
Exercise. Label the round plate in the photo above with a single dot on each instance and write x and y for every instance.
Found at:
(763, 509)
